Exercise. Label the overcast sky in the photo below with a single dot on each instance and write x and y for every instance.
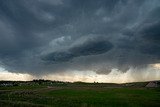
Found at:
(82, 38)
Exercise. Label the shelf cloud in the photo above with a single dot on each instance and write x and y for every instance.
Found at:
(39, 37)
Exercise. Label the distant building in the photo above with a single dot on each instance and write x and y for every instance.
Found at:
(152, 84)
(6, 84)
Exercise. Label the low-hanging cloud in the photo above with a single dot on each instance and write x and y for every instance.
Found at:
(85, 49)
(41, 37)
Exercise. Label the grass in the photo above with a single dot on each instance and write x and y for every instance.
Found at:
(78, 96)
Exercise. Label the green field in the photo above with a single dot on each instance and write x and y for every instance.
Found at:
(81, 95)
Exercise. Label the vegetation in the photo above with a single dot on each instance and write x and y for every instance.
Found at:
(62, 94)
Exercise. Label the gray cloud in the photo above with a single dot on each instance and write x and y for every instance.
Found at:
(58, 35)
(85, 49)
(91, 48)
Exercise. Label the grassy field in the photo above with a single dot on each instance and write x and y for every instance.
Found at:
(79, 95)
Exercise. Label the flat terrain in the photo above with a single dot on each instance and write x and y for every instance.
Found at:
(79, 95)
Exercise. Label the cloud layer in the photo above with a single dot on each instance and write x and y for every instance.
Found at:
(46, 36)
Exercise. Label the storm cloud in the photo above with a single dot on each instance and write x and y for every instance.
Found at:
(47, 36)
(85, 49)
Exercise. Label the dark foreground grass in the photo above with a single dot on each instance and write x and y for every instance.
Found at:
(79, 97)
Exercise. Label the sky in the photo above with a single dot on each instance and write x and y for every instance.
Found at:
(80, 40)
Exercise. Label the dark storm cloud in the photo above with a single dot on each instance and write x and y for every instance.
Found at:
(85, 49)
(91, 48)
(56, 35)
(58, 57)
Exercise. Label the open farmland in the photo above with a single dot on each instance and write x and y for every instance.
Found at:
(80, 95)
